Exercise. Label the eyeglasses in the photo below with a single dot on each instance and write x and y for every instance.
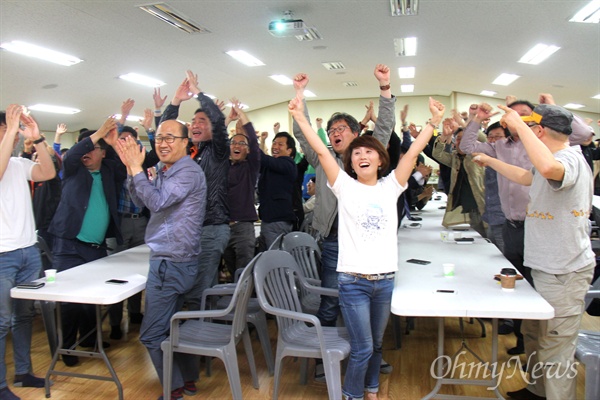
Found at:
(532, 125)
(339, 129)
(234, 143)
(168, 139)
(97, 148)
(496, 137)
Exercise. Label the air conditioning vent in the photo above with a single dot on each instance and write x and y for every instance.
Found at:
(174, 18)
(333, 66)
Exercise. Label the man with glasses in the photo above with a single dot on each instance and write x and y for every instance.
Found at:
(243, 174)
(342, 129)
(513, 196)
(210, 150)
(176, 200)
(85, 217)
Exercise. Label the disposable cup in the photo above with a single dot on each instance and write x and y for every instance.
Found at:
(448, 270)
(444, 236)
(457, 235)
(50, 275)
(508, 278)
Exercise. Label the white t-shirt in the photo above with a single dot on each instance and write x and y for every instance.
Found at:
(17, 225)
(367, 224)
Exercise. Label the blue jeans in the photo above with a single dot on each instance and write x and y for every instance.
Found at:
(365, 306)
(329, 309)
(213, 242)
(167, 283)
(17, 266)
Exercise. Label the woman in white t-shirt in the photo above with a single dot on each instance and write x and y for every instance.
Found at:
(368, 256)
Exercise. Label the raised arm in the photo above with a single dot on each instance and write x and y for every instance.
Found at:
(300, 82)
(512, 172)
(13, 115)
(44, 170)
(539, 154)
(330, 166)
(406, 164)
(469, 143)
(385, 115)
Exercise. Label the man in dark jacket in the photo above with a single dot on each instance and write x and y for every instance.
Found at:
(86, 216)
(276, 190)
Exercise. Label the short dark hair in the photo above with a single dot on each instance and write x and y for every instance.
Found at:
(130, 130)
(371, 143)
(349, 119)
(522, 102)
(496, 125)
(290, 141)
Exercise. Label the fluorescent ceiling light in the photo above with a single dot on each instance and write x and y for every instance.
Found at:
(597, 97)
(404, 7)
(141, 80)
(588, 14)
(282, 79)
(407, 88)
(308, 93)
(209, 96)
(573, 106)
(406, 72)
(505, 79)
(489, 93)
(538, 53)
(406, 46)
(53, 109)
(245, 58)
(133, 118)
(42, 53)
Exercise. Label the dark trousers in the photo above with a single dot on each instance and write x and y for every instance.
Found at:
(513, 234)
(69, 253)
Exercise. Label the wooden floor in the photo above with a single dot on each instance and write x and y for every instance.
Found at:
(410, 379)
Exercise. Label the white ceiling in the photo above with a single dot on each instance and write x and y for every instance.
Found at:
(463, 46)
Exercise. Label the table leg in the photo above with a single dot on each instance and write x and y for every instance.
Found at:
(91, 354)
(439, 360)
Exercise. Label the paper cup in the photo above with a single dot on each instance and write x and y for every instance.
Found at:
(444, 236)
(50, 275)
(448, 270)
(457, 235)
(508, 282)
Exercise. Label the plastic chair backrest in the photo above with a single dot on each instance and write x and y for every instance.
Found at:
(305, 250)
(275, 281)
(241, 296)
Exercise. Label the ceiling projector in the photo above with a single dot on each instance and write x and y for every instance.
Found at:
(287, 28)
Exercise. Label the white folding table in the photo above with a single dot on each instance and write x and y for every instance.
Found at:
(424, 291)
(87, 284)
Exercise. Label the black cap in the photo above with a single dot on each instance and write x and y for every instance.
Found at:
(554, 117)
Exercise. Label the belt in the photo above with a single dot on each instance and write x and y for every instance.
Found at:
(93, 245)
(132, 216)
(372, 277)
(515, 224)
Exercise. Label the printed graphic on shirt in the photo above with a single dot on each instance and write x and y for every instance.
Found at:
(372, 222)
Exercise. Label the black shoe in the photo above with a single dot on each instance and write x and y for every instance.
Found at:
(70, 361)
(524, 394)
(136, 318)
(505, 329)
(28, 380)
(515, 351)
(115, 332)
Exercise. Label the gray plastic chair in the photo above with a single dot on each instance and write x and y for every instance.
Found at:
(299, 334)
(305, 250)
(588, 350)
(276, 245)
(200, 336)
(219, 297)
